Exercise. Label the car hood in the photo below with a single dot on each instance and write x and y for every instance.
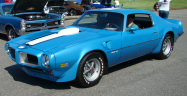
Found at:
(47, 40)
(31, 5)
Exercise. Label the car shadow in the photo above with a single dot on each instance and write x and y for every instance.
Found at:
(3, 37)
(21, 76)
(131, 63)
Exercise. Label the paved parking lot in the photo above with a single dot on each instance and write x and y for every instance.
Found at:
(144, 76)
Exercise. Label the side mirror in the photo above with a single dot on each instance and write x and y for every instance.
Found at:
(133, 28)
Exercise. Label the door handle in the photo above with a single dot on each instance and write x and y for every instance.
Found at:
(155, 31)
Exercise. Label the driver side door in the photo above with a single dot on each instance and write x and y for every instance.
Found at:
(141, 41)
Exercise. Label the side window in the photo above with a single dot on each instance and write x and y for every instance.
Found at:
(143, 21)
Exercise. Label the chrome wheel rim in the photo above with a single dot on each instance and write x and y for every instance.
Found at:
(166, 48)
(11, 34)
(92, 69)
(72, 12)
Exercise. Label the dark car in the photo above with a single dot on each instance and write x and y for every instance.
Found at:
(27, 16)
(55, 6)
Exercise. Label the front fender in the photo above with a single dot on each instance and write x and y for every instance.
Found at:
(68, 59)
(13, 22)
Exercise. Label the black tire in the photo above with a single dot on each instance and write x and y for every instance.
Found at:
(167, 47)
(90, 70)
(72, 12)
(11, 33)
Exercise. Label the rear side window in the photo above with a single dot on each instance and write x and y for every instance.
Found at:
(143, 21)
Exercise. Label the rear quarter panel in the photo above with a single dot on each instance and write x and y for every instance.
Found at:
(177, 27)
(164, 27)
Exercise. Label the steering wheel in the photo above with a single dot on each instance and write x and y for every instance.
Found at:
(112, 25)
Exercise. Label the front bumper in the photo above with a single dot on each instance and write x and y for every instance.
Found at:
(47, 74)
(36, 69)
(39, 73)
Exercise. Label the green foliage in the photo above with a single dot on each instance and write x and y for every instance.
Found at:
(148, 4)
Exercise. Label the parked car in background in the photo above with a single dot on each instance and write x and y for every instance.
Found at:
(27, 16)
(95, 42)
(102, 4)
(7, 1)
(55, 6)
(57, 10)
(74, 8)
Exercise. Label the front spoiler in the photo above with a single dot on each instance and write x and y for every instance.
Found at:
(39, 73)
(180, 34)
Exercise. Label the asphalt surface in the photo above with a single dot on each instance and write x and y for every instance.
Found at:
(145, 76)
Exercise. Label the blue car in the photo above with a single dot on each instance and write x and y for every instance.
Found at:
(96, 41)
(24, 17)
(102, 4)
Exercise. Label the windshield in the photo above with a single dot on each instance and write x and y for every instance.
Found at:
(101, 20)
(7, 9)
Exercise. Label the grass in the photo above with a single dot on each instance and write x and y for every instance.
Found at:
(148, 4)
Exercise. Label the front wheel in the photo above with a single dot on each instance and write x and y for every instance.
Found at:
(11, 33)
(90, 69)
(167, 47)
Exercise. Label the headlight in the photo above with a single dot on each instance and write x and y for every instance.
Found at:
(7, 48)
(45, 60)
(23, 25)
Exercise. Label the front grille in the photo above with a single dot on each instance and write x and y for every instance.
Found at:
(12, 53)
(34, 25)
(29, 59)
(53, 23)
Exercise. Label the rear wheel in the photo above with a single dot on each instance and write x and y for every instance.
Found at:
(73, 12)
(167, 47)
(90, 70)
(11, 34)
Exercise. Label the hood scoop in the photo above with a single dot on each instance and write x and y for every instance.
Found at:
(63, 32)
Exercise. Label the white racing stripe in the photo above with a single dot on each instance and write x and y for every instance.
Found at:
(63, 32)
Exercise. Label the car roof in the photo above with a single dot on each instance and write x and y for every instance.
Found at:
(123, 11)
